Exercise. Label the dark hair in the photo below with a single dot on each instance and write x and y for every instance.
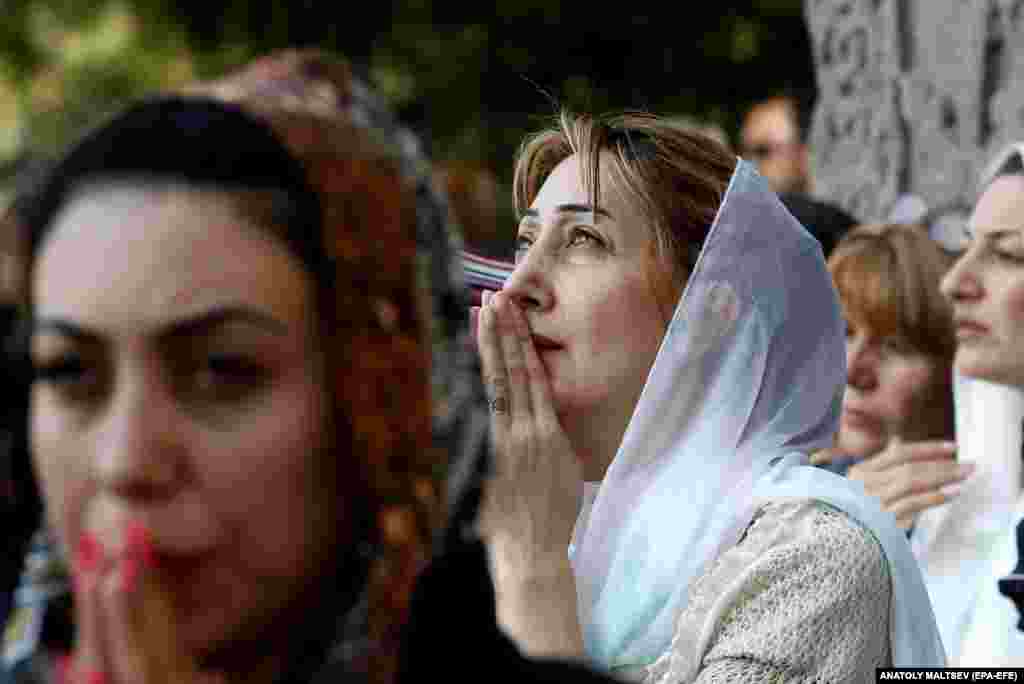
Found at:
(204, 144)
(825, 221)
(285, 133)
(201, 143)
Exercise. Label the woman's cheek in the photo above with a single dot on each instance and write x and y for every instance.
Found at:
(911, 387)
(1015, 307)
(60, 466)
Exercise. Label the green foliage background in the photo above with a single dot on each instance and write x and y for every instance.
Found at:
(473, 79)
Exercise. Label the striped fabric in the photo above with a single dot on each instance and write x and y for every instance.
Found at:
(483, 273)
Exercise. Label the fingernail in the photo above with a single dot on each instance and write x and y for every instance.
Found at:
(96, 677)
(966, 469)
(129, 574)
(485, 297)
(87, 553)
(951, 490)
(951, 446)
(63, 668)
(139, 543)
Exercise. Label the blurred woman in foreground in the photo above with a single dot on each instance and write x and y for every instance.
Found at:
(250, 374)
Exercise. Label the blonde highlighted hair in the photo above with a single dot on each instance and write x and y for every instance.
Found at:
(676, 176)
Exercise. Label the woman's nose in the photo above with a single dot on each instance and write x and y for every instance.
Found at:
(529, 285)
(961, 282)
(140, 450)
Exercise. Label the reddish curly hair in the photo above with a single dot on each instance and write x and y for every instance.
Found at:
(375, 320)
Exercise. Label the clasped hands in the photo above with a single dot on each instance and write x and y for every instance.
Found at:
(126, 632)
(534, 494)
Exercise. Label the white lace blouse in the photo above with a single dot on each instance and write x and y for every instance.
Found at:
(803, 597)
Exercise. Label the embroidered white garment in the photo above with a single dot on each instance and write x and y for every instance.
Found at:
(748, 380)
(803, 597)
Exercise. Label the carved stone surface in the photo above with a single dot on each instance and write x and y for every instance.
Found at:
(915, 96)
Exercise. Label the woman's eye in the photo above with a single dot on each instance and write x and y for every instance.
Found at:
(1009, 254)
(523, 244)
(59, 372)
(1008, 247)
(231, 373)
(897, 346)
(70, 376)
(578, 236)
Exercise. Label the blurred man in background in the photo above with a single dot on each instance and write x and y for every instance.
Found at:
(773, 136)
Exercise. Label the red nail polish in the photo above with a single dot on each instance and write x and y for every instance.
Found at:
(96, 677)
(129, 574)
(88, 553)
(62, 669)
(139, 544)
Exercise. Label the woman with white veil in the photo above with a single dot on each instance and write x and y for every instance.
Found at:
(973, 544)
(661, 362)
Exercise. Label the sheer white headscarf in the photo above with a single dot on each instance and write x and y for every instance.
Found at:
(747, 382)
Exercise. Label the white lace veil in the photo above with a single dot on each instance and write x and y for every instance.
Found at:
(748, 380)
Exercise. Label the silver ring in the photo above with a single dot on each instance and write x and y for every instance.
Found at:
(498, 404)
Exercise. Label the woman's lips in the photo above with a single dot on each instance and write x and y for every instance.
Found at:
(180, 527)
(967, 329)
(861, 420)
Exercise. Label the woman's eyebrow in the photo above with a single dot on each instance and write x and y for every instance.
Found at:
(206, 322)
(65, 328)
(192, 326)
(572, 209)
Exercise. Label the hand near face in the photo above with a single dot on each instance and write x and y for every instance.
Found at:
(535, 493)
(127, 633)
(909, 477)
(533, 497)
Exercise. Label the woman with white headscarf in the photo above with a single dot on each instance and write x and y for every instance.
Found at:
(979, 544)
(661, 362)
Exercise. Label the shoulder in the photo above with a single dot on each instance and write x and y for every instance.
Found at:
(805, 590)
(815, 539)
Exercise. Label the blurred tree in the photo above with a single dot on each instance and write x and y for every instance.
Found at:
(473, 79)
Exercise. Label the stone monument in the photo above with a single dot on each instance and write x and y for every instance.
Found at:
(914, 96)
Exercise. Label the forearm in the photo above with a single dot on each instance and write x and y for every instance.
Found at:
(536, 602)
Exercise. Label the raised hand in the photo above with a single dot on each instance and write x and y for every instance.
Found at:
(126, 631)
(909, 477)
(534, 496)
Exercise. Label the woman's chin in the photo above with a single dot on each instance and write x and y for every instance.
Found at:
(219, 632)
(974, 365)
(213, 608)
(859, 445)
